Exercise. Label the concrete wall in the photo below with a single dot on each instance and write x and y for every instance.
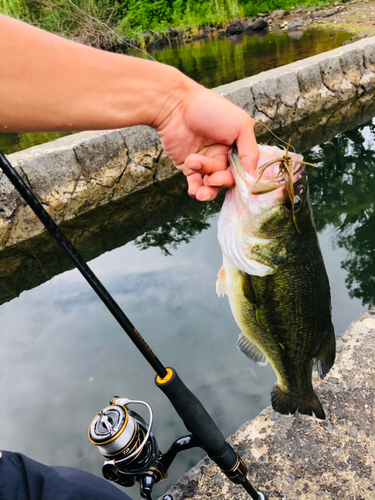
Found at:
(77, 173)
(289, 93)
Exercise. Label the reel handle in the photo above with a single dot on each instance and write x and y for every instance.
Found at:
(198, 421)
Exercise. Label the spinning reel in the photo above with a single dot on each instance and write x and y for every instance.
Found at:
(131, 451)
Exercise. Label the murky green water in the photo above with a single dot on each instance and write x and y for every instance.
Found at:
(219, 60)
(62, 356)
(215, 61)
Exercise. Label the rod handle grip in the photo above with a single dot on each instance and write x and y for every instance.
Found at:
(193, 414)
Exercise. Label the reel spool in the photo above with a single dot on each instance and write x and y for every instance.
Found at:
(125, 440)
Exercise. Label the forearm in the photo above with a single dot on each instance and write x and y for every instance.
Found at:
(49, 83)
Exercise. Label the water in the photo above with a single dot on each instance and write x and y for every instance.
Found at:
(218, 60)
(62, 356)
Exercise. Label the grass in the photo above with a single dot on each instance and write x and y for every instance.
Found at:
(130, 18)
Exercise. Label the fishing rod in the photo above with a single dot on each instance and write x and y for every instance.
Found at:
(121, 435)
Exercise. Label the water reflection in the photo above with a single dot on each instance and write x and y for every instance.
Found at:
(343, 196)
(182, 228)
(64, 356)
(216, 61)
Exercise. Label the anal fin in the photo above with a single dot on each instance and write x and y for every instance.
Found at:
(250, 350)
(326, 356)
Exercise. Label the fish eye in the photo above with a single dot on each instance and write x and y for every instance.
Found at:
(296, 202)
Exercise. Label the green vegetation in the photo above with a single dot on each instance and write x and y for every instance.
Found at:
(132, 17)
(254, 7)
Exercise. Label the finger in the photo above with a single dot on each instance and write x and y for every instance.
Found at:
(195, 181)
(186, 171)
(205, 165)
(248, 148)
(222, 179)
(207, 193)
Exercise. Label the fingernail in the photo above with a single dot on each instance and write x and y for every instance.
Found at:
(206, 198)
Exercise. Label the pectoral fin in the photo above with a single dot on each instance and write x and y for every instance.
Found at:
(251, 351)
(221, 283)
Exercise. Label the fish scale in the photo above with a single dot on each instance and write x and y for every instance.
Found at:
(276, 282)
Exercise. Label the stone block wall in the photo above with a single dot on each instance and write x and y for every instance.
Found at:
(77, 173)
(287, 94)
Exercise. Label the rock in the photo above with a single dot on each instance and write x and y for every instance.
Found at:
(200, 37)
(325, 13)
(259, 24)
(369, 56)
(353, 432)
(246, 23)
(155, 44)
(352, 65)
(277, 14)
(124, 43)
(147, 35)
(266, 97)
(243, 98)
(332, 75)
(173, 33)
(235, 28)
(296, 24)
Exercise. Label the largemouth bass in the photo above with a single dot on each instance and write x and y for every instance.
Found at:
(274, 275)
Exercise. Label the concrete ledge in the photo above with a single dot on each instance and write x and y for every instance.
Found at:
(283, 95)
(76, 173)
(296, 457)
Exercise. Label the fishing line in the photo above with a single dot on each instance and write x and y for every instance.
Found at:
(41, 265)
(112, 31)
(277, 137)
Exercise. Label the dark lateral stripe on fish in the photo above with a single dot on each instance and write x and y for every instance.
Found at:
(286, 403)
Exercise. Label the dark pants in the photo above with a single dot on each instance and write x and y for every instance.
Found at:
(24, 479)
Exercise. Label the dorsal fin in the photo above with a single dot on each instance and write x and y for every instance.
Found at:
(250, 350)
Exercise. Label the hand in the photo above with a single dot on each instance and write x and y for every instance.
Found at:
(197, 136)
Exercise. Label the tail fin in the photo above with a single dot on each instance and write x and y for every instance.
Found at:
(285, 403)
(326, 356)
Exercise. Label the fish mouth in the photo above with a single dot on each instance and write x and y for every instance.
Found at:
(274, 170)
(276, 176)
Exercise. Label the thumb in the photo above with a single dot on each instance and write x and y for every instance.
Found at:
(248, 150)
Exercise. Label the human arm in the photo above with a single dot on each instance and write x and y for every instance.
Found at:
(49, 83)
